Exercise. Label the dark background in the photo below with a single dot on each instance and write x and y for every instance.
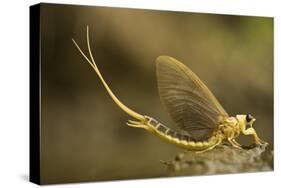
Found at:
(83, 134)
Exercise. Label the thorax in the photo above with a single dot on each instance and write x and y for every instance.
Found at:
(230, 125)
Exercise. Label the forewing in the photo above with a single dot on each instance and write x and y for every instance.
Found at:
(190, 103)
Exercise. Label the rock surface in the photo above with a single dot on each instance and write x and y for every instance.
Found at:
(223, 159)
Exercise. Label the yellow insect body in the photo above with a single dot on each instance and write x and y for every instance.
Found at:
(185, 143)
(192, 106)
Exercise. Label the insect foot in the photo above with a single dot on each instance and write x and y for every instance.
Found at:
(259, 141)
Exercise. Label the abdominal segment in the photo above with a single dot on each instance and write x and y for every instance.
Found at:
(180, 139)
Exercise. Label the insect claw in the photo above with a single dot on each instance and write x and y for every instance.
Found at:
(237, 147)
(262, 142)
(259, 141)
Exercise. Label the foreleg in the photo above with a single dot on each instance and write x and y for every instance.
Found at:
(251, 131)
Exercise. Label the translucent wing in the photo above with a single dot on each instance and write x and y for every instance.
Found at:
(190, 103)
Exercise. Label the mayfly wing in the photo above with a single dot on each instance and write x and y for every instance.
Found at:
(190, 103)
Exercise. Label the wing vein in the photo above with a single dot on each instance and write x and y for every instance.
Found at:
(190, 103)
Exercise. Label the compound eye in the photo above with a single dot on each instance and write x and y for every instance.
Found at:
(249, 117)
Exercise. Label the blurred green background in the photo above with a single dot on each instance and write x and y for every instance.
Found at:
(83, 134)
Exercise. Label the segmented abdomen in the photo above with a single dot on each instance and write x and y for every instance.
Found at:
(180, 139)
(166, 130)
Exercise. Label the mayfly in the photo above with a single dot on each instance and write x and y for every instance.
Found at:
(204, 122)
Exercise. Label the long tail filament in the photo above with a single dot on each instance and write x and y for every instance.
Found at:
(94, 66)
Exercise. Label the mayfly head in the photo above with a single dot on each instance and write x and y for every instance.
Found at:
(250, 120)
(245, 120)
